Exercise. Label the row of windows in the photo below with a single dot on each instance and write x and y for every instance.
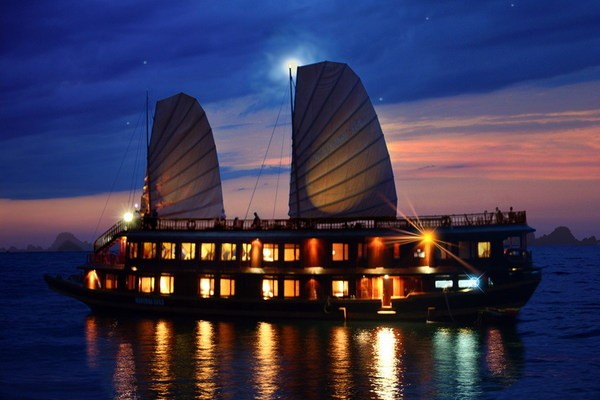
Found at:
(206, 285)
(228, 251)
(290, 251)
(207, 251)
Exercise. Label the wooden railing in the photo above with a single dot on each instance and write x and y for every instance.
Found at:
(114, 232)
(405, 223)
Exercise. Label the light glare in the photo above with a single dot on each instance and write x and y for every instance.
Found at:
(291, 63)
(128, 216)
(427, 237)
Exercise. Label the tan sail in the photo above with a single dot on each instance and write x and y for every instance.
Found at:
(341, 166)
(183, 168)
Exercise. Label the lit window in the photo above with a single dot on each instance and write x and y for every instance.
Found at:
(207, 251)
(146, 284)
(339, 288)
(133, 250)
(92, 281)
(110, 281)
(227, 287)
(188, 251)
(228, 251)
(291, 288)
(149, 250)
(396, 250)
(270, 252)
(339, 252)
(167, 284)
(291, 252)
(206, 287)
(468, 283)
(167, 251)
(444, 284)
(246, 251)
(269, 288)
(484, 249)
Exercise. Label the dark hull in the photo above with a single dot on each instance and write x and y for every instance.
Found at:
(498, 302)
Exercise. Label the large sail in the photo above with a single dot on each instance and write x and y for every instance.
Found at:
(183, 169)
(340, 163)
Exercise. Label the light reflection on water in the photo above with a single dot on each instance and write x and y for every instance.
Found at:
(457, 355)
(161, 365)
(385, 362)
(205, 361)
(341, 369)
(124, 374)
(64, 353)
(165, 359)
(267, 364)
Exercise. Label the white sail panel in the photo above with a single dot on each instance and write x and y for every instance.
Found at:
(183, 168)
(341, 166)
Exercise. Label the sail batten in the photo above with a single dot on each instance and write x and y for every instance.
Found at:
(321, 112)
(183, 168)
(341, 166)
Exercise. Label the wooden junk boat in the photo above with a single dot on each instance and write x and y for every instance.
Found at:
(342, 254)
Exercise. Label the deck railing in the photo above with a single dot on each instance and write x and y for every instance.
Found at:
(404, 223)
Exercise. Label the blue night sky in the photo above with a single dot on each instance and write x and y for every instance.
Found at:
(452, 82)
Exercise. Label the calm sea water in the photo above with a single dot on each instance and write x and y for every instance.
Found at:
(52, 347)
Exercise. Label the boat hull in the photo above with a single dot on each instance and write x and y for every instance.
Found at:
(501, 302)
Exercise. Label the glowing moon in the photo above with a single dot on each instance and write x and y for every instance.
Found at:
(291, 63)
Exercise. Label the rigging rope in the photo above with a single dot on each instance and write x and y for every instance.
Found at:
(134, 177)
(278, 176)
(114, 184)
(264, 161)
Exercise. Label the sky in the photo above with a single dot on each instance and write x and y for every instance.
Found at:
(483, 104)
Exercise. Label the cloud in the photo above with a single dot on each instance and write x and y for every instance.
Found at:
(518, 141)
(501, 90)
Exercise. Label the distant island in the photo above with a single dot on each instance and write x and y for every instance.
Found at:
(66, 241)
(561, 236)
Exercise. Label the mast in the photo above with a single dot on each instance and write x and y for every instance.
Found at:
(147, 155)
(294, 144)
(291, 92)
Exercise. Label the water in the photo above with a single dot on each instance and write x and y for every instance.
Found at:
(51, 347)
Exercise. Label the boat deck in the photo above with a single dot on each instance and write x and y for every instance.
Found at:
(402, 223)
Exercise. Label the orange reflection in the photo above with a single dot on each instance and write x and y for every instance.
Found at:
(341, 363)
(496, 353)
(388, 375)
(206, 386)
(161, 367)
(124, 380)
(91, 341)
(267, 362)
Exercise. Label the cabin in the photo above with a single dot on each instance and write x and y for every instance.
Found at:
(366, 259)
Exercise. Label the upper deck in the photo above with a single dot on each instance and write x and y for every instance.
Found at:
(146, 223)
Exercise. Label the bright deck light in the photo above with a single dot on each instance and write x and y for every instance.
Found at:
(427, 237)
(128, 216)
